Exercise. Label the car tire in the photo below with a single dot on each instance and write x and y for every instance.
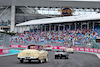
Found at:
(22, 60)
(46, 60)
(66, 57)
(72, 52)
(41, 61)
(55, 57)
(60, 57)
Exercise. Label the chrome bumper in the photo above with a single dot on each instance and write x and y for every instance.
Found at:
(28, 58)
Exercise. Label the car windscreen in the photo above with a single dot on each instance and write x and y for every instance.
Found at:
(35, 47)
(60, 51)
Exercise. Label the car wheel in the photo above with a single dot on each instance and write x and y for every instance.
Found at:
(66, 57)
(29, 60)
(55, 57)
(41, 61)
(60, 57)
(22, 60)
(46, 60)
(72, 52)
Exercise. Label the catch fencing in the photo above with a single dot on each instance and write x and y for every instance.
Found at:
(4, 40)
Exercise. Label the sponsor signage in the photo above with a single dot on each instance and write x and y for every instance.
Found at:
(14, 46)
(4, 51)
(66, 11)
(19, 46)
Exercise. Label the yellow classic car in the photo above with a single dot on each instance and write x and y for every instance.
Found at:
(70, 50)
(33, 53)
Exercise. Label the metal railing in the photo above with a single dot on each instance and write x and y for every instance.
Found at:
(4, 40)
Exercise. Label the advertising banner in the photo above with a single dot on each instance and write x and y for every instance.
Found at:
(4, 51)
(19, 46)
(62, 48)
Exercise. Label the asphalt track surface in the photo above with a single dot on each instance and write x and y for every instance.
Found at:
(75, 60)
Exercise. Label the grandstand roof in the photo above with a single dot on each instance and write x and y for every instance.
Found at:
(62, 19)
(53, 3)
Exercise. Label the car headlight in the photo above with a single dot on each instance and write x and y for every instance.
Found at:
(19, 55)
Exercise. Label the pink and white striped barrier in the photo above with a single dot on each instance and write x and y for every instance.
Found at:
(4, 51)
(62, 48)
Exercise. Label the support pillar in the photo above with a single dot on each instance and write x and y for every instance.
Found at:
(12, 18)
(17, 29)
(49, 27)
(54, 27)
(45, 28)
(33, 28)
(93, 25)
(75, 26)
(37, 27)
(25, 28)
(69, 26)
(88, 26)
(81, 26)
(60, 11)
(41, 28)
(22, 29)
(58, 27)
(64, 27)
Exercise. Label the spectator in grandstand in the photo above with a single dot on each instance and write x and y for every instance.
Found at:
(64, 36)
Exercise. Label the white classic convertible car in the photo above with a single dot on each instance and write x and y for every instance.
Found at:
(48, 48)
(70, 50)
(33, 53)
(61, 54)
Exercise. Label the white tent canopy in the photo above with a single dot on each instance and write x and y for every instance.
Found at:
(62, 19)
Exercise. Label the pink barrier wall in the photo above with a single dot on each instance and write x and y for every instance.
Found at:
(62, 48)
(4, 51)
(19, 46)
(87, 50)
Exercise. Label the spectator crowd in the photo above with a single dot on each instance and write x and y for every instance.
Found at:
(59, 37)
